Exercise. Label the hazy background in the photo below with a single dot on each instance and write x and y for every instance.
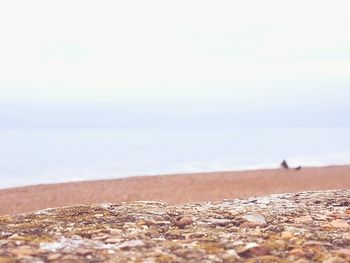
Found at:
(171, 66)
(174, 63)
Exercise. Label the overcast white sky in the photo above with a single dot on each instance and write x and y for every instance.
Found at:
(178, 63)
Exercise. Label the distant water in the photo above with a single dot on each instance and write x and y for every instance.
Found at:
(36, 156)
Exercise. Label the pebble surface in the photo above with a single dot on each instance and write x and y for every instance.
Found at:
(294, 227)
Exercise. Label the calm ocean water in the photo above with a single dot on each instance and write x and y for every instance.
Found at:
(36, 156)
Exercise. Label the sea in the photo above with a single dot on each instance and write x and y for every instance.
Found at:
(42, 156)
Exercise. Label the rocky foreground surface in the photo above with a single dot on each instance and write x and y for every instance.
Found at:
(297, 227)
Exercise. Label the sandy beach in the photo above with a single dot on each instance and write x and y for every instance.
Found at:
(174, 189)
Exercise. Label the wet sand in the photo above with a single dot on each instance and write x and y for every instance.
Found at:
(178, 188)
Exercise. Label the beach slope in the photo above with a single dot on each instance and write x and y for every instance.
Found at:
(175, 189)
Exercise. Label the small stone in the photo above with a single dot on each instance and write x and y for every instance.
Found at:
(320, 217)
(113, 240)
(343, 241)
(214, 258)
(287, 235)
(100, 237)
(54, 256)
(296, 252)
(115, 231)
(99, 215)
(84, 251)
(269, 259)
(230, 256)
(52, 246)
(238, 243)
(142, 223)
(131, 243)
(251, 245)
(255, 218)
(158, 223)
(343, 251)
(70, 258)
(181, 222)
(317, 243)
(253, 249)
(249, 225)
(303, 219)
(340, 223)
(334, 260)
(4, 218)
(232, 253)
(344, 202)
(24, 251)
(326, 226)
(302, 260)
(219, 222)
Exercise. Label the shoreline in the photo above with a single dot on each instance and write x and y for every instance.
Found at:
(194, 173)
(174, 188)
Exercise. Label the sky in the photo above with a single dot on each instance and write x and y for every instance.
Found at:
(177, 64)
